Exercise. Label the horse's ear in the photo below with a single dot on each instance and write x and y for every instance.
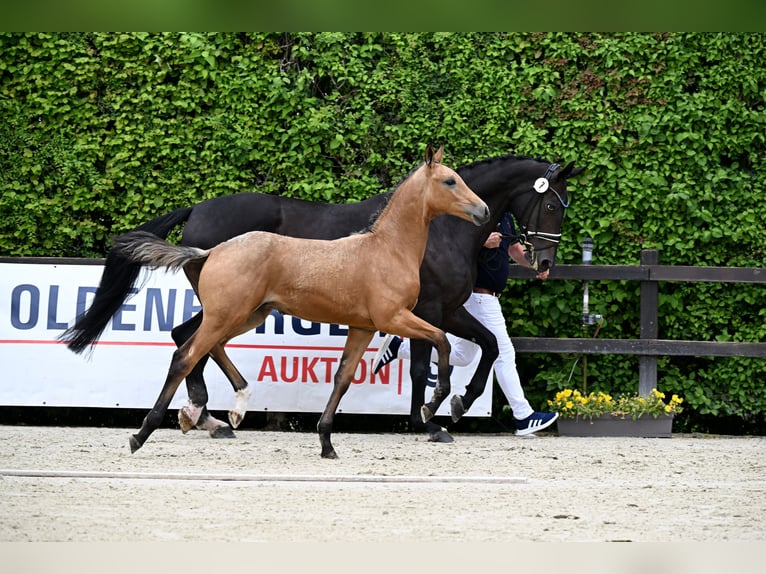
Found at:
(570, 171)
(433, 157)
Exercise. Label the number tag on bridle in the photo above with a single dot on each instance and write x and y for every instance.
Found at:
(541, 185)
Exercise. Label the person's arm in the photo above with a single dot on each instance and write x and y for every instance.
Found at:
(516, 252)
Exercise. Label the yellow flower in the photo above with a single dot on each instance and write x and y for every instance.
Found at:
(573, 403)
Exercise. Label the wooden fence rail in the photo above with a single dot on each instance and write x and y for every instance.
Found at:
(648, 346)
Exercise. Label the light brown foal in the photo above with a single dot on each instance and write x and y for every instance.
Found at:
(369, 281)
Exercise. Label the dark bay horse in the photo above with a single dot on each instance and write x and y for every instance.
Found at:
(505, 183)
(352, 281)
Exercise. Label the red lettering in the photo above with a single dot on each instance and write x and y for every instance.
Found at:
(307, 373)
(362, 375)
(289, 369)
(329, 362)
(268, 369)
(384, 374)
(292, 377)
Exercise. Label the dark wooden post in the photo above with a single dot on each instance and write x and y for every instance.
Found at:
(647, 364)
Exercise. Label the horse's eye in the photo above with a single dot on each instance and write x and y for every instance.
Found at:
(550, 207)
(450, 181)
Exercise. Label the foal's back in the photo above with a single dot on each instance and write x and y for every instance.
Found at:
(317, 280)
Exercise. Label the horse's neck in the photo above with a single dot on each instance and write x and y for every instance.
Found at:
(507, 188)
(405, 219)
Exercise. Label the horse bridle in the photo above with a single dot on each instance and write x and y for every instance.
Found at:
(541, 186)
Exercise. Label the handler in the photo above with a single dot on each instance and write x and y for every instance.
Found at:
(484, 305)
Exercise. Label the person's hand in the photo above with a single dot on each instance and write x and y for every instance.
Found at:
(493, 241)
(543, 275)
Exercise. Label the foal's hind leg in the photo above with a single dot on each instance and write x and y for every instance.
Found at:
(242, 389)
(184, 359)
(356, 343)
(182, 362)
(195, 414)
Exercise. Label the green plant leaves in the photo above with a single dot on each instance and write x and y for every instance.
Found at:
(102, 131)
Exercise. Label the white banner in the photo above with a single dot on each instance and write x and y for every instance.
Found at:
(289, 362)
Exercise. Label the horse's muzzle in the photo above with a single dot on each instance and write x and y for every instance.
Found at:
(479, 214)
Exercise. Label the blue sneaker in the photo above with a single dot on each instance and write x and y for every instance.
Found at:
(535, 422)
(389, 350)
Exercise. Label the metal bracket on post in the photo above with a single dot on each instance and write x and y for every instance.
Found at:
(587, 318)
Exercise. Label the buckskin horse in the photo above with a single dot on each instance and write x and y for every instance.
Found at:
(533, 190)
(353, 281)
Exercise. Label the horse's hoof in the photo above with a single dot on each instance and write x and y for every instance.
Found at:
(426, 414)
(457, 410)
(134, 444)
(330, 454)
(185, 420)
(440, 436)
(235, 418)
(223, 431)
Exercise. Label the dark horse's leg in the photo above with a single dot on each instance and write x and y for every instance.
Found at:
(420, 360)
(428, 309)
(464, 325)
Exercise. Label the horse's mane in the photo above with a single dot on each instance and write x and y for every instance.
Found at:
(497, 158)
(387, 195)
(466, 167)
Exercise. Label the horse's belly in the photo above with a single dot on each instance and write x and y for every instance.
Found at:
(318, 314)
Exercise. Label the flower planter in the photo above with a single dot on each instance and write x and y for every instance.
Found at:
(646, 426)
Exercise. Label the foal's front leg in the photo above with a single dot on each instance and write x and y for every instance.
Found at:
(409, 325)
(356, 343)
(443, 386)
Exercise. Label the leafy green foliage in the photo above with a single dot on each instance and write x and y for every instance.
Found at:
(103, 131)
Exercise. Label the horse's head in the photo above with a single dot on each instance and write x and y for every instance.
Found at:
(448, 193)
(541, 213)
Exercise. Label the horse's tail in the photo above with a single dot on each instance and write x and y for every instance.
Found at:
(118, 278)
(148, 249)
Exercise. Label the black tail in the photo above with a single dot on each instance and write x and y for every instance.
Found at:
(117, 279)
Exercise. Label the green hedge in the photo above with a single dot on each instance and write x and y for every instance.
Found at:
(101, 132)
